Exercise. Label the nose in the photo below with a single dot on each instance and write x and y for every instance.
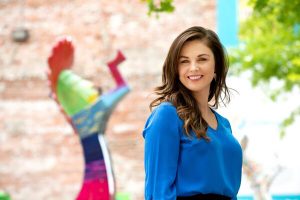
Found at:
(194, 66)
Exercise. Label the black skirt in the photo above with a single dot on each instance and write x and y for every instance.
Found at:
(205, 197)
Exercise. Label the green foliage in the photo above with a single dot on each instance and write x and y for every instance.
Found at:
(285, 12)
(270, 43)
(164, 6)
(270, 47)
(288, 121)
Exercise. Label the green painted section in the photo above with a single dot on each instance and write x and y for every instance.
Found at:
(4, 196)
(123, 196)
(74, 93)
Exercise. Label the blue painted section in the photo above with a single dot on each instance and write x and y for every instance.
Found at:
(113, 97)
(91, 148)
(227, 22)
(93, 119)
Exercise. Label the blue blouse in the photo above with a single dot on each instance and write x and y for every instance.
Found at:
(177, 165)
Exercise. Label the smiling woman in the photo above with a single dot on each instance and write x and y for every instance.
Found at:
(190, 152)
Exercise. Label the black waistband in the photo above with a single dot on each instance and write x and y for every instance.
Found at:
(205, 197)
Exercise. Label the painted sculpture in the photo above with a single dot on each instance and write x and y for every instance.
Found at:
(88, 112)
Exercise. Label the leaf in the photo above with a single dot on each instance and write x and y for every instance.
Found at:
(164, 6)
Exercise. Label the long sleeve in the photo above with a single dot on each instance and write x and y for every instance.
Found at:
(162, 143)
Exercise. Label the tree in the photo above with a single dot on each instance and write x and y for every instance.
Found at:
(270, 48)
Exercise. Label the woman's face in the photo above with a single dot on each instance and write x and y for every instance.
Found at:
(196, 66)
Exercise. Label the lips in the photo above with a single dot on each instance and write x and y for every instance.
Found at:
(195, 77)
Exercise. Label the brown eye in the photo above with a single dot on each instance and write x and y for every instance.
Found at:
(184, 61)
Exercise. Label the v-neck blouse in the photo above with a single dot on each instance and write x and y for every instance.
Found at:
(178, 165)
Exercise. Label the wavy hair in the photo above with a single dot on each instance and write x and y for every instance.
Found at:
(172, 90)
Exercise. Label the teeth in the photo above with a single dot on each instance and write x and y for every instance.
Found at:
(195, 77)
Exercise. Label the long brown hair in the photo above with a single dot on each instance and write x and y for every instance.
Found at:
(172, 90)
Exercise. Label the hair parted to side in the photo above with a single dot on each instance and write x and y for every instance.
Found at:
(172, 90)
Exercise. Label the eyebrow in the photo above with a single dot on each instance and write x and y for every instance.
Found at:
(200, 55)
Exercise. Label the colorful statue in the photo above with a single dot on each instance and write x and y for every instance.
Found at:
(88, 112)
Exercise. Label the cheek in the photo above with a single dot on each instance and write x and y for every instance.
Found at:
(210, 68)
(181, 72)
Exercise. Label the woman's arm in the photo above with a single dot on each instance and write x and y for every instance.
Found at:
(162, 140)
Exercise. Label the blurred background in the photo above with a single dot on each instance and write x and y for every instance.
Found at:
(41, 157)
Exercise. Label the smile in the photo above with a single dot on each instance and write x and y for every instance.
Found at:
(195, 77)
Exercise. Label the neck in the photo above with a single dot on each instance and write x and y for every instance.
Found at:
(204, 108)
(202, 101)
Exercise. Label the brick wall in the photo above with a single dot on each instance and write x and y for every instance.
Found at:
(40, 156)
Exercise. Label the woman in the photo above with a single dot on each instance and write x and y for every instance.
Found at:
(190, 152)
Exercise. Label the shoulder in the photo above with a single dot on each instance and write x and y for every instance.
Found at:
(165, 114)
(165, 108)
(164, 111)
